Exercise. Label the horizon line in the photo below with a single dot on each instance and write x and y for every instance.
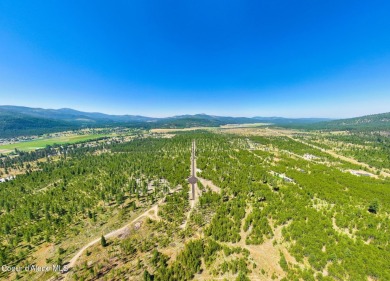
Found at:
(190, 114)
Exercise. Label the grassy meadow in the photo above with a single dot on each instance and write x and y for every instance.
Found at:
(41, 143)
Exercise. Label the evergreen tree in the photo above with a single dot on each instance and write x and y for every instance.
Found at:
(147, 276)
(103, 241)
(374, 207)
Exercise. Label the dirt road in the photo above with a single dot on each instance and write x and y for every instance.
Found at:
(194, 200)
(154, 209)
(115, 233)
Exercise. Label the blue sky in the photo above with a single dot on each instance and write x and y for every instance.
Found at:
(162, 58)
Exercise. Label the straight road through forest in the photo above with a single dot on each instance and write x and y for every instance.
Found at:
(193, 193)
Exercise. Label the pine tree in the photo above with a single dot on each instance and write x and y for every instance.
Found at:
(147, 276)
(374, 206)
(103, 241)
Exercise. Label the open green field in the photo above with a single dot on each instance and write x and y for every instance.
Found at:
(41, 143)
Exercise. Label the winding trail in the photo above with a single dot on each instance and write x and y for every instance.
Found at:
(114, 233)
(154, 209)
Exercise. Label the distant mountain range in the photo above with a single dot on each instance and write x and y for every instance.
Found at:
(19, 120)
(71, 115)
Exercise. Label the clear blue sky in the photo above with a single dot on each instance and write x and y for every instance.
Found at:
(160, 58)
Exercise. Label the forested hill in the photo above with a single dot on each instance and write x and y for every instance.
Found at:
(67, 114)
(287, 121)
(375, 122)
(16, 124)
(197, 120)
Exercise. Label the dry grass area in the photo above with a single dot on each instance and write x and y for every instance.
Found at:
(163, 131)
(266, 256)
(266, 132)
(104, 261)
(210, 184)
(342, 231)
(47, 250)
(22, 171)
(248, 125)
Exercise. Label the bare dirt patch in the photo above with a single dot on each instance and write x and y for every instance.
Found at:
(210, 184)
(45, 251)
(343, 231)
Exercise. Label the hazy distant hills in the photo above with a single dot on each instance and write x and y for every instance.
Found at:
(204, 120)
(19, 120)
(67, 114)
(75, 116)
